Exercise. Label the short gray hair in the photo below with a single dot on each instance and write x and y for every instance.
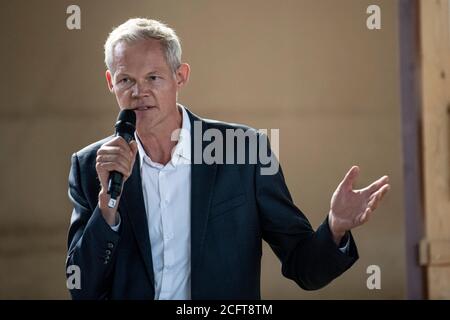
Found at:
(141, 29)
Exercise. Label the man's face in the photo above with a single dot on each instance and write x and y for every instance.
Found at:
(144, 81)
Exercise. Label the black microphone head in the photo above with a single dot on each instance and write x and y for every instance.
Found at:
(126, 123)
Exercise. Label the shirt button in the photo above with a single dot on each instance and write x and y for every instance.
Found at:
(110, 245)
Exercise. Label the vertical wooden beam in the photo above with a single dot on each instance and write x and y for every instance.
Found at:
(411, 141)
(435, 54)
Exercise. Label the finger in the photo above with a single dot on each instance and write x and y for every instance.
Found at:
(110, 150)
(134, 148)
(119, 142)
(114, 158)
(114, 166)
(365, 216)
(116, 141)
(350, 178)
(381, 192)
(105, 149)
(373, 203)
(378, 196)
(374, 199)
(375, 186)
(123, 144)
(115, 150)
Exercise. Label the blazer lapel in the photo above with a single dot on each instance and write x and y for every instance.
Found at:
(202, 183)
(132, 203)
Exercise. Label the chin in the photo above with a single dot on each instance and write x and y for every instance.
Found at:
(144, 122)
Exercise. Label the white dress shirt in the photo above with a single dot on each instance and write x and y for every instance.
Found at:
(167, 197)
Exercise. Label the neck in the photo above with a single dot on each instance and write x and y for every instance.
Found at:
(157, 142)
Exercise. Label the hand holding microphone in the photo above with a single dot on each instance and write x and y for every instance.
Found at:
(114, 164)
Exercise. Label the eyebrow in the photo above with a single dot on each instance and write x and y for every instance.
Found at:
(121, 74)
(153, 72)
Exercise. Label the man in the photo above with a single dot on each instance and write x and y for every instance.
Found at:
(188, 230)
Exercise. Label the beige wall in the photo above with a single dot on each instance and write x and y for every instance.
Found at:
(310, 68)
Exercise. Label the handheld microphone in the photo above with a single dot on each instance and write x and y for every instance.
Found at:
(125, 127)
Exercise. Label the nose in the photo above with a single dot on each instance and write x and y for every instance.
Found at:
(139, 90)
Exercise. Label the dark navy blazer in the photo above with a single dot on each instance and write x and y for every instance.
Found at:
(233, 208)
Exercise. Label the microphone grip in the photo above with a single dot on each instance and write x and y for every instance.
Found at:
(116, 178)
(114, 187)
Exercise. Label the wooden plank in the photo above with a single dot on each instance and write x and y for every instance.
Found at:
(435, 253)
(435, 50)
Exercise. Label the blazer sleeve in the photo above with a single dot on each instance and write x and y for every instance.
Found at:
(310, 258)
(91, 241)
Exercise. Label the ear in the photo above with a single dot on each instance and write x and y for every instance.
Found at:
(182, 74)
(108, 76)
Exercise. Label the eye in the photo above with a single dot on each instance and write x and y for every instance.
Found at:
(153, 78)
(124, 80)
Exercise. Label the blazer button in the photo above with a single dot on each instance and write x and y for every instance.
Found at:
(110, 245)
(108, 252)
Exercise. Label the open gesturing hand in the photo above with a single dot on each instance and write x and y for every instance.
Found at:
(351, 208)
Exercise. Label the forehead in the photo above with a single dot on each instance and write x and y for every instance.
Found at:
(140, 54)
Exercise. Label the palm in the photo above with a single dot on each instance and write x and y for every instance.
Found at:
(351, 208)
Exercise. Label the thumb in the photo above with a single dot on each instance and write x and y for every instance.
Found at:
(134, 147)
(350, 178)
